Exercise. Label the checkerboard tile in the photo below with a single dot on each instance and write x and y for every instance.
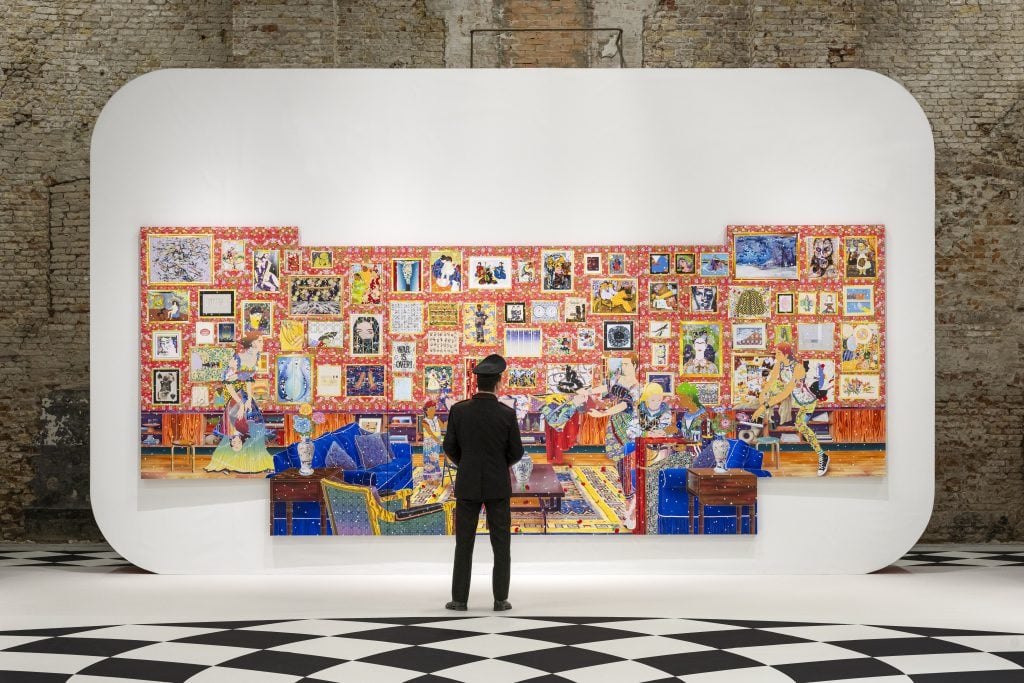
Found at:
(523, 650)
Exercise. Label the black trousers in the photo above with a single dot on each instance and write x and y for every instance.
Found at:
(499, 523)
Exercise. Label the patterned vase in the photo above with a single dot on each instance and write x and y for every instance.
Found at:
(523, 469)
(305, 449)
(720, 447)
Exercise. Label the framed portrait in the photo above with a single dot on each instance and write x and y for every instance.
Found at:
(556, 270)
(443, 314)
(592, 264)
(545, 312)
(515, 312)
(294, 379)
(366, 284)
(311, 296)
(364, 380)
(406, 276)
(575, 310)
(167, 306)
(749, 336)
(326, 334)
(266, 270)
(328, 380)
(823, 260)
(523, 342)
(365, 330)
(185, 259)
(291, 261)
(166, 386)
(166, 345)
(226, 333)
(765, 256)
(614, 296)
(371, 424)
(232, 256)
(663, 296)
(618, 335)
(438, 379)
(700, 349)
(828, 303)
(445, 271)
(480, 323)
(216, 303)
(861, 256)
(714, 264)
(257, 316)
(206, 333)
(660, 263)
(785, 303)
(703, 299)
(685, 263)
(859, 300)
(660, 329)
(586, 339)
(321, 259)
(617, 263)
(490, 272)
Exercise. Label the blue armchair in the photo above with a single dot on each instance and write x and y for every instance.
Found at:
(674, 500)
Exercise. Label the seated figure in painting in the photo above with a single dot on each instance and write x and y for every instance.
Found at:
(242, 430)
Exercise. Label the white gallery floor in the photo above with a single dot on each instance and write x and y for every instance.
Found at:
(935, 616)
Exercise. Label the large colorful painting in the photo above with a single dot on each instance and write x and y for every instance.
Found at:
(630, 368)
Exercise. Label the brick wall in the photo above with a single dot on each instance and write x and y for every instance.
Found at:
(61, 61)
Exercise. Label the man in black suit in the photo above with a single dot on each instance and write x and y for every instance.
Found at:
(483, 441)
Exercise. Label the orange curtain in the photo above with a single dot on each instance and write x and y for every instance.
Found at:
(332, 421)
(592, 431)
(186, 427)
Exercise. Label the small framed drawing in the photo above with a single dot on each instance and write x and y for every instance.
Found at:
(370, 424)
(618, 335)
(166, 386)
(592, 264)
(785, 303)
(216, 303)
(166, 345)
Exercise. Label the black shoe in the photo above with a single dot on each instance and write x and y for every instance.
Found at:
(502, 605)
(822, 464)
(457, 606)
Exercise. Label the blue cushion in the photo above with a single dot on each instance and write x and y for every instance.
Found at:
(338, 457)
(373, 450)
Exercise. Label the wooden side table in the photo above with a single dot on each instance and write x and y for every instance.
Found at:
(289, 486)
(734, 487)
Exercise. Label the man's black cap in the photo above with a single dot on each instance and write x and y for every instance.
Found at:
(494, 364)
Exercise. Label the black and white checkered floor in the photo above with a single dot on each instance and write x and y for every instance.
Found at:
(509, 649)
(103, 556)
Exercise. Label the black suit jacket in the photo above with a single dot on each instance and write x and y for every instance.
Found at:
(483, 441)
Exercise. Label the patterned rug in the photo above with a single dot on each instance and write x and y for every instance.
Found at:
(592, 503)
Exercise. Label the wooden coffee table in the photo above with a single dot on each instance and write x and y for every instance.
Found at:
(542, 493)
(289, 486)
(733, 487)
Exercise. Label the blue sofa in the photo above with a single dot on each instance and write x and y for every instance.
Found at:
(674, 501)
(392, 475)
